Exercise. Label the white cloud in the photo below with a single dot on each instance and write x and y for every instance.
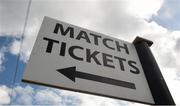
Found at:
(90, 100)
(22, 95)
(40, 96)
(15, 47)
(165, 48)
(4, 95)
(173, 83)
(144, 8)
(27, 95)
(12, 16)
(3, 50)
(47, 96)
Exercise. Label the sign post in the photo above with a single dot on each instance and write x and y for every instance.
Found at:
(153, 74)
(77, 59)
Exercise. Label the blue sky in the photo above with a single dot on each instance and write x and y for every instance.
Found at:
(157, 20)
(169, 14)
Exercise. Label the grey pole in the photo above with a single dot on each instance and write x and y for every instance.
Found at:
(157, 84)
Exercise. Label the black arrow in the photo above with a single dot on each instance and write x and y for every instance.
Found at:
(71, 73)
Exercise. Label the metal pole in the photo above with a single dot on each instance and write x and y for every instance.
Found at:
(157, 84)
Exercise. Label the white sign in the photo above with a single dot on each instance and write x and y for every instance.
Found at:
(69, 57)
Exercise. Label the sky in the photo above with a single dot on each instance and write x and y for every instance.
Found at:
(20, 20)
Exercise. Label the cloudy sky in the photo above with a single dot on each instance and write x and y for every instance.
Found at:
(156, 20)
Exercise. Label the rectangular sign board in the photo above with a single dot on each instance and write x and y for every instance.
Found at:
(73, 58)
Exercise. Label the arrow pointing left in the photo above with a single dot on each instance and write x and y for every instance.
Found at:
(71, 73)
